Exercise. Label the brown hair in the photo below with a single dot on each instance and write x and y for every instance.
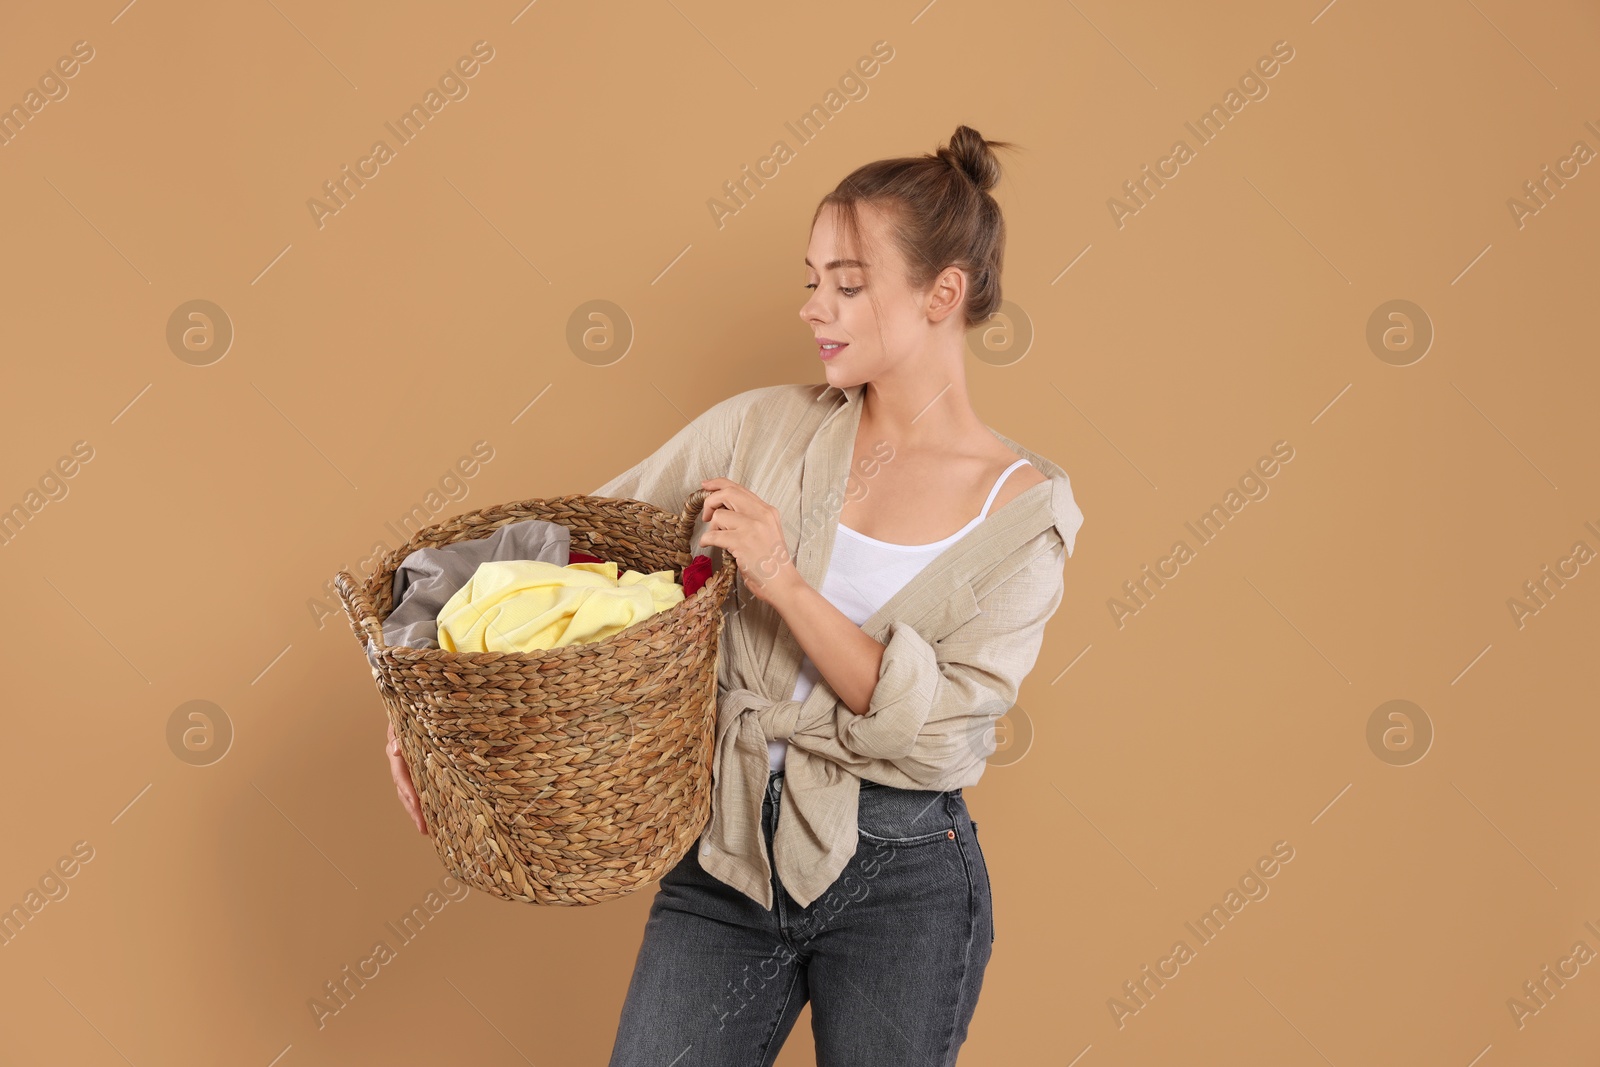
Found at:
(940, 212)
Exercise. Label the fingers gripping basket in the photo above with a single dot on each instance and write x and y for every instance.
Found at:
(575, 774)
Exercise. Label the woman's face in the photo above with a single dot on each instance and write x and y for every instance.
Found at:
(879, 329)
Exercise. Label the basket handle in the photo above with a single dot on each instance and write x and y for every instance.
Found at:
(359, 610)
(686, 521)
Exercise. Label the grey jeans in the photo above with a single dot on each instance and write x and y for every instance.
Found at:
(891, 957)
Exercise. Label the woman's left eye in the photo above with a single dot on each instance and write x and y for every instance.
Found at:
(849, 290)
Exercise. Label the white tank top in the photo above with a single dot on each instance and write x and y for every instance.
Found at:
(862, 575)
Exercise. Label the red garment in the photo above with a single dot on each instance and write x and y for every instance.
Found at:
(696, 574)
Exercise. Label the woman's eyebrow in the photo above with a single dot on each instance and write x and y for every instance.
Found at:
(835, 264)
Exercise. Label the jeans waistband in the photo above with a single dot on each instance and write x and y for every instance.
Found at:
(775, 785)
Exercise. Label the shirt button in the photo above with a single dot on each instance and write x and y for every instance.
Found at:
(705, 850)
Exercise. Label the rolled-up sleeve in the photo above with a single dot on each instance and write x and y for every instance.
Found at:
(932, 710)
(929, 722)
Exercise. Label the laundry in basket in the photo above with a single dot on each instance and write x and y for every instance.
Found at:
(522, 605)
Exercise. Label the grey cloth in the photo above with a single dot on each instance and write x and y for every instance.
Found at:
(427, 578)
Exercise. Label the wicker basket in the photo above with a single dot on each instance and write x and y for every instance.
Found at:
(579, 773)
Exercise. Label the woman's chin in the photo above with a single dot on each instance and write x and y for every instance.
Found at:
(837, 375)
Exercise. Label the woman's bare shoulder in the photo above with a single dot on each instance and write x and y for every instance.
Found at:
(1018, 481)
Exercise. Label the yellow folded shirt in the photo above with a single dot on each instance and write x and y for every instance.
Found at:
(525, 605)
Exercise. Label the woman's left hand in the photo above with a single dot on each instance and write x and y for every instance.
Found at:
(747, 526)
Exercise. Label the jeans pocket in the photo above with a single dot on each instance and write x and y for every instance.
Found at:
(904, 818)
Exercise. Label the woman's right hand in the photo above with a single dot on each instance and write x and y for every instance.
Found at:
(402, 781)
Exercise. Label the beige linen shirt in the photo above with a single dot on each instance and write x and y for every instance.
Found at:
(959, 637)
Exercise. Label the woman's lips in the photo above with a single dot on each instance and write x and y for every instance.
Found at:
(828, 352)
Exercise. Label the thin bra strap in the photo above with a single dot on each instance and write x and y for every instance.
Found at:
(1002, 480)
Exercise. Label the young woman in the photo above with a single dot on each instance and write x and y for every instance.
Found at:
(897, 563)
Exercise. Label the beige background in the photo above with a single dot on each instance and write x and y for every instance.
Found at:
(189, 558)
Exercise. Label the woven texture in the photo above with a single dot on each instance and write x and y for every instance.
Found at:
(576, 774)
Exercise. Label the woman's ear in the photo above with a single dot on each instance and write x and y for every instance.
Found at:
(949, 294)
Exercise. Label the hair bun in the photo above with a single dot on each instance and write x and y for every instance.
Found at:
(969, 153)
